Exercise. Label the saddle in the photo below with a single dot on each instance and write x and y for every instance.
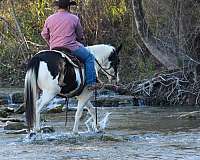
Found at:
(77, 61)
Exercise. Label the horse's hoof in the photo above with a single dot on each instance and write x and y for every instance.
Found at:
(75, 133)
(100, 132)
(32, 135)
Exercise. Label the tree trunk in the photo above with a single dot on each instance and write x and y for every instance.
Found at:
(165, 55)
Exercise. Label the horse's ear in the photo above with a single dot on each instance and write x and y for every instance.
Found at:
(119, 48)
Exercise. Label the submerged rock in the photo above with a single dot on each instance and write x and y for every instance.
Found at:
(109, 137)
(115, 101)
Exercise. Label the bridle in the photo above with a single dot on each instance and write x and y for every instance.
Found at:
(105, 69)
(114, 65)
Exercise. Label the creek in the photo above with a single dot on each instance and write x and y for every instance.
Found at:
(132, 133)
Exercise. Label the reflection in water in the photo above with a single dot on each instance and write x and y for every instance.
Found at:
(143, 133)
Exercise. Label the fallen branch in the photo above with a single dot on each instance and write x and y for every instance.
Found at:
(169, 88)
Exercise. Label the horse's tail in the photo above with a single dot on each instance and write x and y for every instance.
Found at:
(30, 91)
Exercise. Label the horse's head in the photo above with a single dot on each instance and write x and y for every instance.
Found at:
(107, 58)
(113, 65)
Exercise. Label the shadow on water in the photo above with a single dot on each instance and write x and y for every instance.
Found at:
(133, 132)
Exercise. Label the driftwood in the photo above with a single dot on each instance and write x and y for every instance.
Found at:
(180, 88)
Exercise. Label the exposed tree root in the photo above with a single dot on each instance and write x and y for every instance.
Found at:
(179, 87)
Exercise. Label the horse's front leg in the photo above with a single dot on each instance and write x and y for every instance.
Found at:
(91, 110)
(82, 101)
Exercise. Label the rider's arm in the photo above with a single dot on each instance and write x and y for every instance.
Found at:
(45, 33)
(79, 32)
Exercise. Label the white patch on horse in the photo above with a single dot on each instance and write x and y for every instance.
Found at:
(45, 79)
(78, 76)
(101, 52)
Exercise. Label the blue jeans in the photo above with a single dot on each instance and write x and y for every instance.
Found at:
(88, 59)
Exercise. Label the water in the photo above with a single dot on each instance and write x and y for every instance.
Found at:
(11, 96)
(132, 133)
(143, 133)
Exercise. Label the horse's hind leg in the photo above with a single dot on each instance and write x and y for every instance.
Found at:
(45, 98)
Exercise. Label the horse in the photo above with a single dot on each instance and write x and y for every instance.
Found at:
(51, 72)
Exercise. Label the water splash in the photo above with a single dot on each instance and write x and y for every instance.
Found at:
(10, 99)
(104, 122)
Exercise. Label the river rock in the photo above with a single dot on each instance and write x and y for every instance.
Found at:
(4, 99)
(3, 113)
(15, 126)
(11, 120)
(8, 109)
(22, 131)
(55, 109)
(18, 97)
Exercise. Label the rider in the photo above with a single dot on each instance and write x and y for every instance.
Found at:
(63, 30)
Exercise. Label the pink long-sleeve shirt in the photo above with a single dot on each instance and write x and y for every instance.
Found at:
(63, 29)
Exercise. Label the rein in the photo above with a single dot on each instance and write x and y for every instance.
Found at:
(114, 76)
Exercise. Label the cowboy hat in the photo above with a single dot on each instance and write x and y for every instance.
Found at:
(64, 3)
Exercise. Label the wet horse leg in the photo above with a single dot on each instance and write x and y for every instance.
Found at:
(45, 98)
(82, 101)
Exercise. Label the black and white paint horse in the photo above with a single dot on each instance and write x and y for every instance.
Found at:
(50, 72)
